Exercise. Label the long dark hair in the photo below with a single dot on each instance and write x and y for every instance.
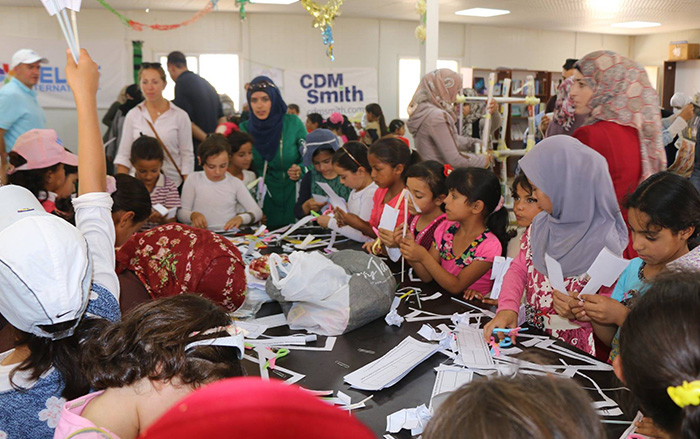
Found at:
(32, 179)
(432, 173)
(670, 201)
(394, 152)
(376, 110)
(131, 196)
(344, 127)
(352, 156)
(481, 184)
(660, 348)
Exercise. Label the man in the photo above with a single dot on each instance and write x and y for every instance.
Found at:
(197, 97)
(19, 108)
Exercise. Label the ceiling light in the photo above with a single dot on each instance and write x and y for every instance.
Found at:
(636, 24)
(482, 12)
(274, 2)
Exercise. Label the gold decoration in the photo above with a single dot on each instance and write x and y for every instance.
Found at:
(421, 7)
(323, 15)
(421, 33)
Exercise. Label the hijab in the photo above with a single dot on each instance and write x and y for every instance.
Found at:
(133, 97)
(248, 407)
(438, 88)
(585, 215)
(623, 94)
(267, 133)
(564, 108)
(477, 111)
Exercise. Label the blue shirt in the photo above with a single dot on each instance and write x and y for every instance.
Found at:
(19, 111)
(629, 284)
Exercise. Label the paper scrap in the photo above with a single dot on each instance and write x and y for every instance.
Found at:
(604, 271)
(555, 274)
(429, 333)
(289, 376)
(335, 200)
(320, 198)
(432, 296)
(393, 318)
(473, 350)
(498, 272)
(410, 419)
(272, 321)
(448, 380)
(328, 346)
(555, 322)
(253, 330)
(389, 217)
(632, 429)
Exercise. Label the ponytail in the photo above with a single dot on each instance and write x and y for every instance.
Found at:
(497, 223)
(690, 426)
(394, 152)
(376, 110)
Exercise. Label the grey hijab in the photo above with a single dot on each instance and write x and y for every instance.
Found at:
(585, 215)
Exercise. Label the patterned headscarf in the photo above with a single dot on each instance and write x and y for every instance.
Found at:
(439, 88)
(623, 94)
(267, 133)
(175, 259)
(564, 108)
(477, 110)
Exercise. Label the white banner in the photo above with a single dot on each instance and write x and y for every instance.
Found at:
(53, 91)
(345, 91)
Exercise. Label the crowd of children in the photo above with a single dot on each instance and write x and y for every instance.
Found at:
(60, 294)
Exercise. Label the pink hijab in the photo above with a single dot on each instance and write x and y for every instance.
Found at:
(439, 88)
(623, 94)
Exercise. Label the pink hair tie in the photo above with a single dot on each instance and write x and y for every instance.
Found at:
(336, 118)
(500, 205)
(111, 185)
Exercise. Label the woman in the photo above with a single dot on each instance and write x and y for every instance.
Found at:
(432, 122)
(473, 116)
(160, 118)
(622, 119)
(376, 123)
(564, 118)
(279, 137)
(112, 137)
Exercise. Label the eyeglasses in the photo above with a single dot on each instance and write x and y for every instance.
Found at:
(151, 65)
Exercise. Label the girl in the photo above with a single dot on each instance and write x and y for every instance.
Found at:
(147, 160)
(376, 124)
(573, 187)
(211, 198)
(335, 124)
(523, 406)
(68, 271)
(473, 116)
(664, 218)
(142, 365)
(131, 206)
(313, 122)
(241, 156)
(352, 166)
(660, 354)
(38, 163)
(390, 160)
(160, 118)
(525, 208)
(397, 128)
(320, 146)
(466, 245)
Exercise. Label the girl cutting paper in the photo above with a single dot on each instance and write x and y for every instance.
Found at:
(581, 217)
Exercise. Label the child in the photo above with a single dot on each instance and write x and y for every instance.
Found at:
(572, 185)
(664, 217)
(426, 182)
(65, 195)
(143, 364)
(241, 156)
(525, 208)
(211, 198)
(147, 161)
(466, 245)
(68, 272)
(376, 124)
(131, 206)
(320, 146)
(341, 127)
(37, 163)
(313, 122)
(390, 160)
(524, 406)
(660, 356)
(397, 128)
(351, 164)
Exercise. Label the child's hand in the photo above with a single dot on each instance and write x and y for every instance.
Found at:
(323, 221)
(83, 78)
(504, 319)
(473, 294)
(647, 427)
(387, 237)
(340, 216)
(310, 205)
(603, 309)
(579, 313)
(294, 172)
(233, 223)
(561, 304)
(367, 246)
(157, 218)
(198, 220)
(412, 251)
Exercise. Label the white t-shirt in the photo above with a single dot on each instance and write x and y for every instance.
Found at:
(360, 203)
(218, 201)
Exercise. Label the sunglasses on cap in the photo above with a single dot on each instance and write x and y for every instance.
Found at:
(151, 65)
(262, 85)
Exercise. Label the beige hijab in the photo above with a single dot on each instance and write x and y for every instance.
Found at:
(439, 88)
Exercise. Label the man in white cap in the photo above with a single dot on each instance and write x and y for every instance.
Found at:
(19, 108)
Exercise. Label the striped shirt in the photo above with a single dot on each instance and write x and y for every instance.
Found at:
(165, 193)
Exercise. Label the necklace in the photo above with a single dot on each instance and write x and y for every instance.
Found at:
(155, 109)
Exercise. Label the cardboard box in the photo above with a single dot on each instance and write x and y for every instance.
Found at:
(683, 51)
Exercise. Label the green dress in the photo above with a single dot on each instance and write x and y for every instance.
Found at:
(282, 193)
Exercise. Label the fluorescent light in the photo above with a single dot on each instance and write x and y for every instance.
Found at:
(482, 12)
(636, 24)
(274, 2)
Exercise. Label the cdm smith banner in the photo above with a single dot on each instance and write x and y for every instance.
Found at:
(52, 89)
(345, 91)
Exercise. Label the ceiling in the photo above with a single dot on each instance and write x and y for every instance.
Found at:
(564, 15)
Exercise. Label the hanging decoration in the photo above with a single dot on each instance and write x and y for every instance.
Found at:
(138, 58)
(323, 19)
(135, 25)
(241, 4)
(421, 10)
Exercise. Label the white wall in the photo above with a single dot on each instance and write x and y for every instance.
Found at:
(290, 41)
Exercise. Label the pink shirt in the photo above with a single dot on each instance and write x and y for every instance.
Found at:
(485, 248)
(72, 424)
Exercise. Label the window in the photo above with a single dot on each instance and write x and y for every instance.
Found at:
(410, 74)
(221, 70)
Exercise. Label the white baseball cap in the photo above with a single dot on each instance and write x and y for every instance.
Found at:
(26, 56)
(45, 270)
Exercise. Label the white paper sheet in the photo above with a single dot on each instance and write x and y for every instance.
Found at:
(448, 380)
(555, 274)
(393, 366)
(555, 322)
(336, 200)
(498, 272)
(167, 213)
(633, 428)
(295, 376)
(253, 330)
(473, 350)
(389, 217)
(320, 198)
(272, 321)
(414, 419)
(328, 346)
(604, 271)
(299, 340)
